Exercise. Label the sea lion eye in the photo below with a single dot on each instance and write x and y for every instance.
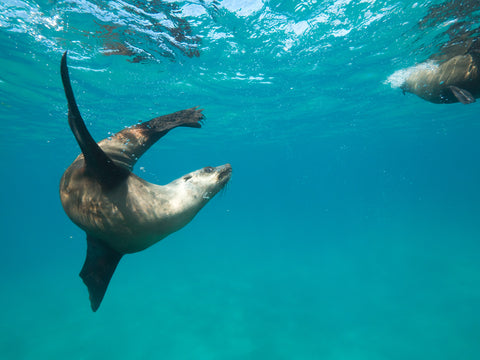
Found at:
(187, 177)
(208, 169)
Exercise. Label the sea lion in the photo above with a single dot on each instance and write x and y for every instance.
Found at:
(120, 212)
(455, 80)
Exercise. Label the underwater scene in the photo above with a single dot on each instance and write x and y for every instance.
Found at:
(319, 199)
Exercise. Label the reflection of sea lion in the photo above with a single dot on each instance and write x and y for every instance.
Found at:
(120, 212)
(457, 79)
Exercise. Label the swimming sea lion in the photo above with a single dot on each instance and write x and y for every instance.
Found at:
(120, 212)
(457, 79)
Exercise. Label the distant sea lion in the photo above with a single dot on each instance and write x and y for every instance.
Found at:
(120, 212)
(455, 80)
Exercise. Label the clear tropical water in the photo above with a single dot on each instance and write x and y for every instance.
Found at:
(350, 228)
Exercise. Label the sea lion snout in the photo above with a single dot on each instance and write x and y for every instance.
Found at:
(224, 171)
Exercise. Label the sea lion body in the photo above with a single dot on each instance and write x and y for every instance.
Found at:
(120, 212)
(457, 79)
(135, 214)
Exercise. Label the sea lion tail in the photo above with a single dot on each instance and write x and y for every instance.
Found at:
(99, 266)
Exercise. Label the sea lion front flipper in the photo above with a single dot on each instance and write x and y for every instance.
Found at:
(462, 95)
(95, 159)
(99, 266)
(128, 145)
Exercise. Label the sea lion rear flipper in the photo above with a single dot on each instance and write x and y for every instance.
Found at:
(101, 165)
(126, 146)
(462, 95)
(99, 266)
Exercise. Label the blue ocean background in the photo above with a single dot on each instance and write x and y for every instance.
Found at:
(350, 229)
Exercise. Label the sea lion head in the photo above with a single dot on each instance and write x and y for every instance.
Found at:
(203, 184)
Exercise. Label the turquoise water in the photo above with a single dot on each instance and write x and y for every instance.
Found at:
(350, 228)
